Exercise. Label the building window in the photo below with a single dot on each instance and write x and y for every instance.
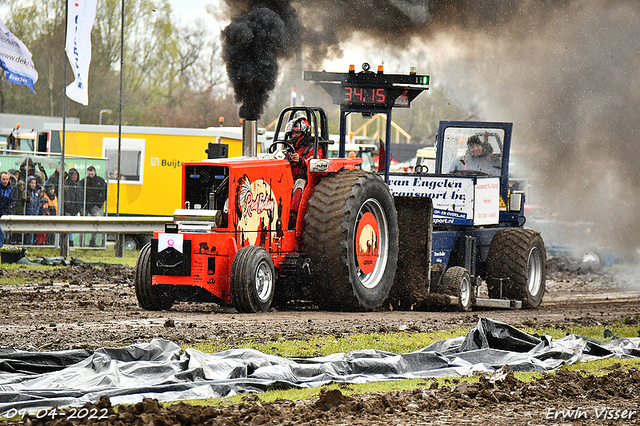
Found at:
(131, 159)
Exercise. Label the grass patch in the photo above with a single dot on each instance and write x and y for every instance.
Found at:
(106, 255)
(398, 343)
(602, 367)
(17, 277)
(325, 345)
(619, 329)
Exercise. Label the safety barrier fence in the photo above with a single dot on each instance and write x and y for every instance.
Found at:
(84, 224)
(78, 225)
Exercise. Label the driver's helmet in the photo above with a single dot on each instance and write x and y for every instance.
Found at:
(297, 124)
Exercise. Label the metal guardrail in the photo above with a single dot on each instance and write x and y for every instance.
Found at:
(84, 224)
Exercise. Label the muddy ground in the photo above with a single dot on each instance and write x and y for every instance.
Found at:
(86, 306)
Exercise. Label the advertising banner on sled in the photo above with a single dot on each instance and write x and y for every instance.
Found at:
(456, 201)
(452, 197)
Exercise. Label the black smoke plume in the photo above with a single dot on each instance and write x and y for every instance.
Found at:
(252, 45)
(264, 31)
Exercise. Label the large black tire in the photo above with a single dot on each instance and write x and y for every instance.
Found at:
(150, 297)
(252, 280)
(457, 282)
(344, 209)
(517, 256)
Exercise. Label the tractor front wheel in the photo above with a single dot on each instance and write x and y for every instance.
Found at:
(150, 297)
(518, 257)
(252, 280)
(351, 236)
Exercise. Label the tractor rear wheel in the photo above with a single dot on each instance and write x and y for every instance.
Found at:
(150, 297)
(518, 257)
(457, 282)
(351, 236)
(252, 280)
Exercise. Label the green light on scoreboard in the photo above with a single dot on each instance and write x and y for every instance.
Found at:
(424, 80)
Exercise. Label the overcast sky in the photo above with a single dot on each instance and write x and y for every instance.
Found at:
(192, 9)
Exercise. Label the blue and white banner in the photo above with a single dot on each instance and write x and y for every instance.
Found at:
(82, 13)
(15, 59)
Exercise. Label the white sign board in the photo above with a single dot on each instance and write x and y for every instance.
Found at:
(456, 200)
(487, 202)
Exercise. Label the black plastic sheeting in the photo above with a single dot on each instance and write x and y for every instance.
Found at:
(160, 369)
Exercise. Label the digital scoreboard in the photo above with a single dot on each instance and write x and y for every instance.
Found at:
(370, 90)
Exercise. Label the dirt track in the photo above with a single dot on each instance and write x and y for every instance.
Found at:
(83, 306)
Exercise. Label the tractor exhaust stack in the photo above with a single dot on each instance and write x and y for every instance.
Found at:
(250, 138)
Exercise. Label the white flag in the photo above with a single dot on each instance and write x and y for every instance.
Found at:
(82, 13)
(15, 59)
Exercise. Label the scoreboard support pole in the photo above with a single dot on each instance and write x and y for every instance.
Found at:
(369, 93)
(344, 112)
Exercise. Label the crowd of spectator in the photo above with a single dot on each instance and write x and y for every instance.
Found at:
(29, 191)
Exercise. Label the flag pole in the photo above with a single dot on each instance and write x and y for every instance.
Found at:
(64, 239)
(119, 249)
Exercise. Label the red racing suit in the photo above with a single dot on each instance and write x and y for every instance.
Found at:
(300, 169)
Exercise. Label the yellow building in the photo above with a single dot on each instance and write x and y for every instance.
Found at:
(150, 162)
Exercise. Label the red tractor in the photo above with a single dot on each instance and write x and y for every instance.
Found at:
(235, 239)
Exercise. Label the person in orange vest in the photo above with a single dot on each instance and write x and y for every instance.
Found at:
(50, 195)
(52, 207)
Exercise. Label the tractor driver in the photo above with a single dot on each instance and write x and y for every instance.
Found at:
(298, 133)
(478, 157)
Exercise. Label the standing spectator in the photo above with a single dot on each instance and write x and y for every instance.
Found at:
(52, 200)
(33, 202)
(52, 207)
(19, 198)
(13, 176)
(28, 168)
(73, 197)
(19, 207)
(96, 195)
(6, 199)
(41, 238)
(41, 174)
(55, 178)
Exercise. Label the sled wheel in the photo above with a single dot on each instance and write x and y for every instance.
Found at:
(351, 236)
(457, 282)
(518, 257)
(130, 243)
(252, 280)
(150, 297)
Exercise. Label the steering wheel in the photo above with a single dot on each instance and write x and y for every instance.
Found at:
(288, 147)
